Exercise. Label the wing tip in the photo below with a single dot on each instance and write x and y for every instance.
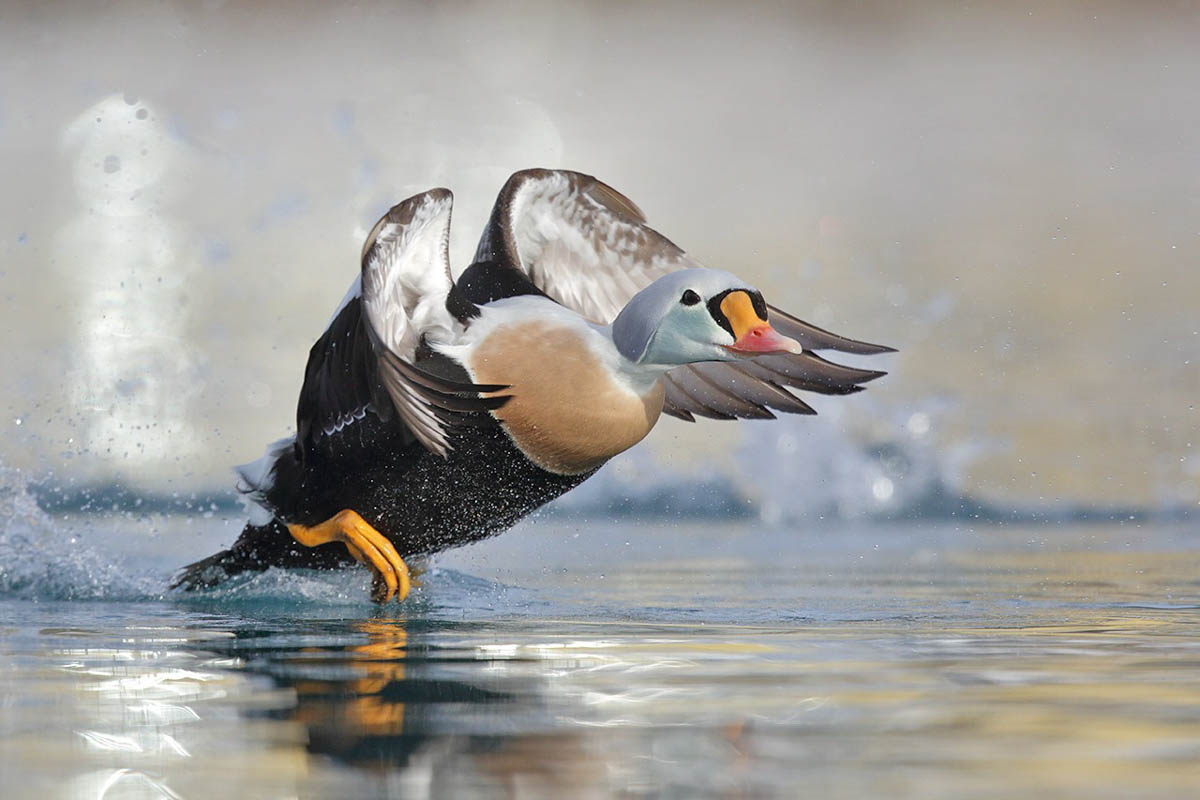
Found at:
(404, 212)
(802, 408)
(868, 349)
(679, 413)
(817, 338)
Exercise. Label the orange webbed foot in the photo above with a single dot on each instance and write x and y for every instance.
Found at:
(367, 545)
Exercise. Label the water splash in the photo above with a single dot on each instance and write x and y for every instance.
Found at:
(900, 470)
(794, 469)
(279, 587)
(44, 560)
(117, 557)
(133, 265)
(444, 593)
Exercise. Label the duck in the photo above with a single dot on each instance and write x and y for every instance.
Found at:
(436, 412)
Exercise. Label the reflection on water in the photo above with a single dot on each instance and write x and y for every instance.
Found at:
(992, 673)
(347, 694)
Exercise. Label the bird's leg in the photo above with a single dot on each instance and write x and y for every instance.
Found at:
(367, 545)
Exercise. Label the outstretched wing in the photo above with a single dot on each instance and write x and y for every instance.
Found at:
(579, 240)
(364, 371)
(589, 248)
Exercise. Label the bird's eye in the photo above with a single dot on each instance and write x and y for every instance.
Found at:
(689, 298)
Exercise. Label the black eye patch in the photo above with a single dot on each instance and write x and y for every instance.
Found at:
(714, 308)
(758, 304)
(689, 298)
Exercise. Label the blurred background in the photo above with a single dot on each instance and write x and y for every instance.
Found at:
(1008, 193)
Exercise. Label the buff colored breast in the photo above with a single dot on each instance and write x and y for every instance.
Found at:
(567, 413)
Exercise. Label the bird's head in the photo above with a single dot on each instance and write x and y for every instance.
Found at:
(697, 315)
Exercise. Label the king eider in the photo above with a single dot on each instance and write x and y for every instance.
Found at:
(435, 413)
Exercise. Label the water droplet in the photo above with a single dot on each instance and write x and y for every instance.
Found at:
(112, 164)
(883, 489)
(918, 424)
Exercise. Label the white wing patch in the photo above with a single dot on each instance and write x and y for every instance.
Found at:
(405, 282)
(406, 272)
(584, 244)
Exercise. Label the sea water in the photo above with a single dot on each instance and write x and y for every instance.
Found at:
(573, 658)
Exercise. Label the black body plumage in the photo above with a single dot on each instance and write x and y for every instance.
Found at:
(352, 451)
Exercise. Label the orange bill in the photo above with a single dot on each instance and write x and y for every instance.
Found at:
(752, 334)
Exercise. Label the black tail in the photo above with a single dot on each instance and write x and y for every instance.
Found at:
(258, 548)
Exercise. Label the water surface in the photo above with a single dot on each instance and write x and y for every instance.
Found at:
(570, 659)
